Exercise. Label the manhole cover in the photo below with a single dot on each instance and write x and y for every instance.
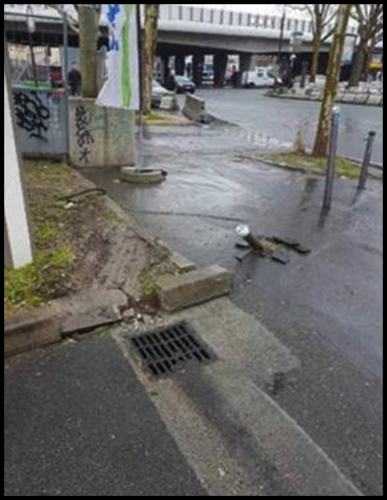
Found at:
(169, 350)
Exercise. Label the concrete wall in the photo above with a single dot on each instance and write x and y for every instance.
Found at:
(100, 137)
(195, 109)
(41, 121)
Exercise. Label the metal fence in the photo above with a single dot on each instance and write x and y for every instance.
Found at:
(39, 64)
(41, 120)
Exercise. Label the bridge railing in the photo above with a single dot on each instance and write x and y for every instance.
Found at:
(186, 13)
(227, 18)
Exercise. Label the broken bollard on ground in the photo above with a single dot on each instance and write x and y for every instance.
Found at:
(275, 247)
(244, 232)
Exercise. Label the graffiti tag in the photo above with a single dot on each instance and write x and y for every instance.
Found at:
(83, 133)
(32, 115)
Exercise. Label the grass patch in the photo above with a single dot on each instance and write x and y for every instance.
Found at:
(46, 232)
(308, 164)
(156, 117)
(149, 279)
(162, 118)
(56, 232)
(148, 287)
(33, 285)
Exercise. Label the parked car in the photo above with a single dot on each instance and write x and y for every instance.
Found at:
(208, 77)
(158, 92)
(260, 78)
(181, 84)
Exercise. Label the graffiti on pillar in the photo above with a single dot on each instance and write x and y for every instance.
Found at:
(84, 134)
(32, 115)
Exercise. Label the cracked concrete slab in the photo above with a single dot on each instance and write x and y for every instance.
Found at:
(232, 433)
(240, 340)
(193, 288)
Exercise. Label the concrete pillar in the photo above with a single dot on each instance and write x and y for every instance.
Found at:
(102, 67)
(17, 237)
(189, 69)
(164, 69)
(245, 64)
(180, 65)
(198, 66)
(220, 68)
(100, 137)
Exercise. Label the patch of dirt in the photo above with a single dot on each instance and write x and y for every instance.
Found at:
(83, 224)
(84, 242)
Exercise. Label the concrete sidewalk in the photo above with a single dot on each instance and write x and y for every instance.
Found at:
(83, 420)
(326, 307)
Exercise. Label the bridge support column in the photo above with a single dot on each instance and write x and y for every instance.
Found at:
(180, 65)
(220, 68)
(198, 66)
(245, 64)
(164, 69)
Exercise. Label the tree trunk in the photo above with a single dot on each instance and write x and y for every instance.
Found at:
(358, 65)
(368, 60)
(315, 58)
(150, 45)
(333, 80)
(88, 27)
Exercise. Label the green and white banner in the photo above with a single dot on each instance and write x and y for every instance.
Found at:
(122, 89)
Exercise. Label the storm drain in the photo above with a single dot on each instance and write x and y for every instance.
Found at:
(170, 350)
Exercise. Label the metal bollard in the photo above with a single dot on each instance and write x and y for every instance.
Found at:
(304, 74)
(367, 160)
(333, 146)
(244, 232)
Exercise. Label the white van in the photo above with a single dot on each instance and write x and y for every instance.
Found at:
(260, 78)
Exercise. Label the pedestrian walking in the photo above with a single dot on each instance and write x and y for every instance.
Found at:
(75, 81)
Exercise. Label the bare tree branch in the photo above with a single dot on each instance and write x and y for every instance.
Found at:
(328, 35)
(322, 15)
(73, 21)
(370, 18)
(332, 16)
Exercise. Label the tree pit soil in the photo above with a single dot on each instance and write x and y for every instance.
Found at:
(76, 238)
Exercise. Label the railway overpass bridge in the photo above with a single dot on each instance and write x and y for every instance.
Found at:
(196, 31)
(200, 31)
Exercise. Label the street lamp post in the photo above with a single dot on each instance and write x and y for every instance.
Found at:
(282, 36)
(31, 27)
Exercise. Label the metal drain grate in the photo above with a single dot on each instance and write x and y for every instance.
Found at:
(168, 351)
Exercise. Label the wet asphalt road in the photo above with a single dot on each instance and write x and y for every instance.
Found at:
(327, 307)
(274, 123)
(59, 440)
